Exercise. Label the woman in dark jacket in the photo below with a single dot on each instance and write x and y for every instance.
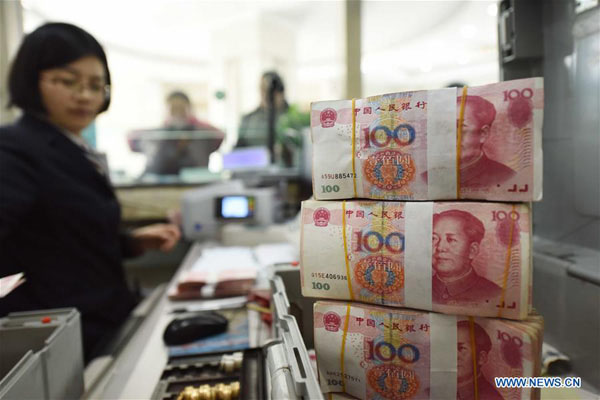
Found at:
(59, 217)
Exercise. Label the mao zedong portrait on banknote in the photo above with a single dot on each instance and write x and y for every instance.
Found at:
(465, 373)
(477, 169)
(457, 235)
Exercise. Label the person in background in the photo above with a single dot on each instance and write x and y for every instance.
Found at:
(258, 128)
(181, 116)
(168, 157)
(59, 216)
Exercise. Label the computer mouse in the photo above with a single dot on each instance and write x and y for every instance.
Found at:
(184, 330)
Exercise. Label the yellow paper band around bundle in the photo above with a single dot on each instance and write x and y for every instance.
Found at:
(348, 278)
(474, 356)
(354, 147)
(461, 117)
(507, 262)
(343, 351)
(382, 228)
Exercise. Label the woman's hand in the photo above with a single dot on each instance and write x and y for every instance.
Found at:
(157, 236)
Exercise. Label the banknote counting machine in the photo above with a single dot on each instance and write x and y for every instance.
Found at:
(205, 210)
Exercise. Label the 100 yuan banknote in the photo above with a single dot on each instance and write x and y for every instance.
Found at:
(375, 352)
(403, 146)
(452, 257)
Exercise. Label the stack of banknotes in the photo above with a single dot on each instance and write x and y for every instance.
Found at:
(373, 352)
(408, 146)
(450, 257)
(422, 202)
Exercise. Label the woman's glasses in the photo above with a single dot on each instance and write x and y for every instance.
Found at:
(76, 86)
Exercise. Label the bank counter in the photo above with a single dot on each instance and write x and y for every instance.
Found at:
(272, 363)
(276, 364)
(150, 198)
(158, 198)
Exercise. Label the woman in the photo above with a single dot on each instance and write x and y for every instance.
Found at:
(59, 217)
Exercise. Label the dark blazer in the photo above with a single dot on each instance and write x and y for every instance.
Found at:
(59, 224)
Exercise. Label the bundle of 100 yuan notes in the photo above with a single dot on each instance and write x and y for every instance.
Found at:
(373, 352)
(461, 258)
(478, 143)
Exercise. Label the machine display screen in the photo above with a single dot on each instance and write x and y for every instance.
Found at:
(235, 207)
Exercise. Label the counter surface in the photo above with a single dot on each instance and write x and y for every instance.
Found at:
(135, 371)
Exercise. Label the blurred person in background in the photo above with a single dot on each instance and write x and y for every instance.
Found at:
(181, 116)
(267, 125)
(59, 217)
(167, 156)
(254, 128)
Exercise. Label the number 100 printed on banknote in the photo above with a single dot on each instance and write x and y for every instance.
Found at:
(479, 143)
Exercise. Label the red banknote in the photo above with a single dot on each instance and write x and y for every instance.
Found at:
(409, 145)
(373, 352)
(463, 258)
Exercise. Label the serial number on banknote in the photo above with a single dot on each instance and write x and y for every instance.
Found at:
(341, 175)
(347, 377)
(326, 275)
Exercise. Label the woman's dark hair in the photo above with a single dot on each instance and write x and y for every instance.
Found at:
(51, 45)
(275, 85)
(178, 94)
(275, 81)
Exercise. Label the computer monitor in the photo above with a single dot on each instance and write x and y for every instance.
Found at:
(169, 151)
